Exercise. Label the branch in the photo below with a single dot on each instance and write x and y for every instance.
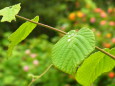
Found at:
(43, 25)
(105, 52)
(52, 28)
(37, 77)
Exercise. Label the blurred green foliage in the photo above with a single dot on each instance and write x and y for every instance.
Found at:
(30, 57)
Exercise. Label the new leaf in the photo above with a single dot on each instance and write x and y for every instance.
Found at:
(21, 33)
(9, 13)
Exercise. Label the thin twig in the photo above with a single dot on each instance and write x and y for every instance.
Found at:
(34, 79)
(43, 25)
(105, 52)
(52, 28)
(31, 82)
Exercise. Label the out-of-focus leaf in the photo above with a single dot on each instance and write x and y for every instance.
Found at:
(21, 33)
(9, 13)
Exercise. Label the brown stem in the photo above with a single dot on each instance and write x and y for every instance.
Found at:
(105, 52)
(43, 25)
(52, 28)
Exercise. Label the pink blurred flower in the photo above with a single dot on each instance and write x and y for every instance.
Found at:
(26, 68)
(27, 51)
(33, 55)
(103, 22)
(113, 40)
(92, 20)
(35, 62)
(111, 23)
(110, 10)
(98, 10)
(103, 14)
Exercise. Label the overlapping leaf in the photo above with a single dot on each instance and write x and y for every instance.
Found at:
(21, 33)
(9, 13)
(72, 49)
(95, 65)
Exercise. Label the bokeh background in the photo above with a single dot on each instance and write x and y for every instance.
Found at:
(32, 56)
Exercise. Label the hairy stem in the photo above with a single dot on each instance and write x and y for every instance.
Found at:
(34, 79)
(52, 28)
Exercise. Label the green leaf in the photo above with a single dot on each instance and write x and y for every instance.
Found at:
(95, 65)
(20, 34)
(72, 49)
(9, 13)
